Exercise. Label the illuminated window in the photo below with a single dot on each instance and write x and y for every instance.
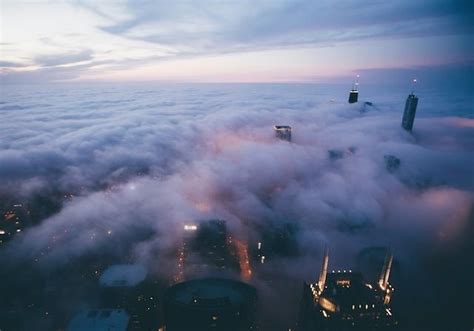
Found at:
(343, 282)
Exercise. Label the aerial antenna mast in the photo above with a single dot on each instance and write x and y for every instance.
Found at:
(413, 84)
(355, 83)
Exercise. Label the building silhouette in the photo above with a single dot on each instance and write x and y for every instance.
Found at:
(282, 132)
(410, 110)
(354, 92)
(392, 163)
(205, 251)
(277, 240)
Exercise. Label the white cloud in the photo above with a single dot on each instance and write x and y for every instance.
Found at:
(145, 158)
(209, 150)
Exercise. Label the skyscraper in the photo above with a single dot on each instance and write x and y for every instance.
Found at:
(354, 93)
(410, 110)
(283, 132)
(205, 251)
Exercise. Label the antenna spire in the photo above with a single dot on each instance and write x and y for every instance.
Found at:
(324, 270)
(355, 83)
(413, 84)
(384, 276)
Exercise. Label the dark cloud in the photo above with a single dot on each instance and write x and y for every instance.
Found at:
(9, 64)
(62, 59)
(39, 76)
(54, 73)
(214, 26)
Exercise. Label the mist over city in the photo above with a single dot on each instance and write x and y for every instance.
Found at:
(233, 166)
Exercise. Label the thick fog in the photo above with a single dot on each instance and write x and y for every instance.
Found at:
(151, 157)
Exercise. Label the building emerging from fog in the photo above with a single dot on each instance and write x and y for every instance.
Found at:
(392, 163)
(278, 240)
(410, 112)
(354, 92)
(410, 109)
(282, 132)
(342, 300)
(210, 304)
(337, 154)
(205, 251)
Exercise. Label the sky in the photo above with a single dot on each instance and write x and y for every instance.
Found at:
(234, 41)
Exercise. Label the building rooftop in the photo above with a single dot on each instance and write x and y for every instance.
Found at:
(212, 292)
(123, 275)
(282, 127)
(283, 132)
(347, 289)
(99, 320)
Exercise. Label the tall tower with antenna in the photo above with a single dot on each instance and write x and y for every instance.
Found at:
(324, 271)
(410, 109)
(354, 93)
(383, 282)
(385, 274)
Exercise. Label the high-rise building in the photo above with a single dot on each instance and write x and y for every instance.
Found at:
(410, 110)
(205, 251)
(277, 240)
(354, 92)
(210, 304)
(282, 132)
(342, 300)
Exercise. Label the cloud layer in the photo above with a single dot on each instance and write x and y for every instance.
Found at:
(148, 158)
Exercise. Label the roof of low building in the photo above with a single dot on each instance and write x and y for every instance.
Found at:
(123, 275)
(212, 292)
(282, 127)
